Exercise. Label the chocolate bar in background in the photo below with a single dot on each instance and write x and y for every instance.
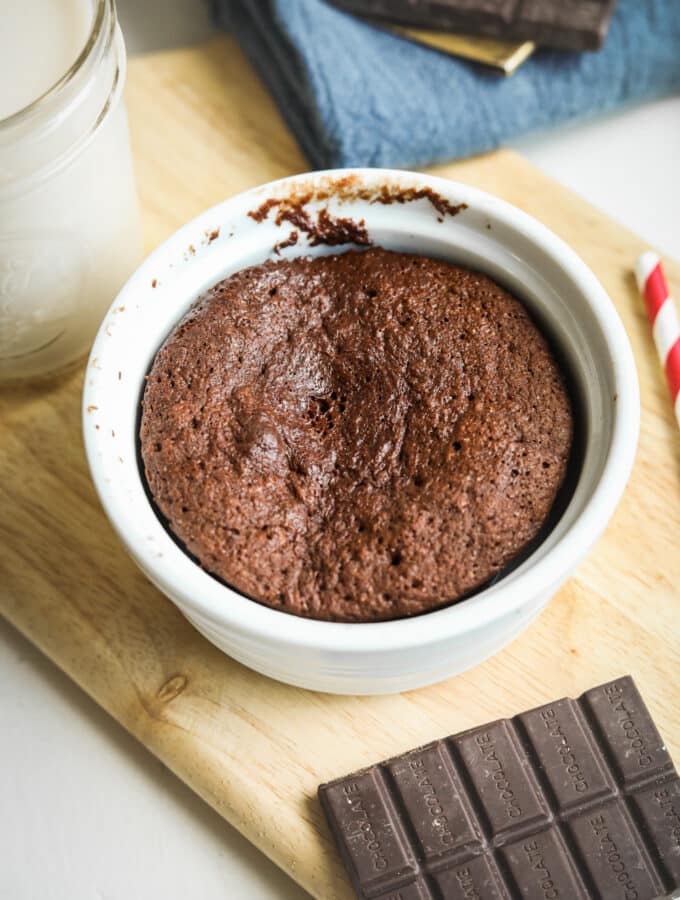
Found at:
(566, 24)
(503, 55)
(577, 799)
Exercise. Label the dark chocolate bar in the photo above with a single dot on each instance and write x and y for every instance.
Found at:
(568, 24)
(576, 799)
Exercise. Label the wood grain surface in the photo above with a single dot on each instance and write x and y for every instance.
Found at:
(202, 129)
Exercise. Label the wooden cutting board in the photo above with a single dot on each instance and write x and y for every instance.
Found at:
(202, 129)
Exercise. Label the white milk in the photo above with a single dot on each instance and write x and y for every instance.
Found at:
(69, 224)
(39, 42)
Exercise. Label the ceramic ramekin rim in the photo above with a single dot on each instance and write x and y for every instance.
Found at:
(208, 599)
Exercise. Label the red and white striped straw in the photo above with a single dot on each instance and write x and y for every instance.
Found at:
(664, 319)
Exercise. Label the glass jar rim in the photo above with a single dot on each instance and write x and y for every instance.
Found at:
(58, 125)
(54, 90)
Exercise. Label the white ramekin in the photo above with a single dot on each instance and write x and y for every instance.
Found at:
(490, 235)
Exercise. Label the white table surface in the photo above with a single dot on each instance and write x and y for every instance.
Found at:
(86, 813)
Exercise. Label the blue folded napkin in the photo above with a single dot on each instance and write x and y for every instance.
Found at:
(358, 96)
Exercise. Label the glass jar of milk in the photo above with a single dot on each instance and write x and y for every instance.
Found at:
(69, 221)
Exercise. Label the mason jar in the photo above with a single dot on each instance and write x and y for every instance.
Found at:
(69, 221)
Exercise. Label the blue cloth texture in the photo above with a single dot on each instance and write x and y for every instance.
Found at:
(355, 95)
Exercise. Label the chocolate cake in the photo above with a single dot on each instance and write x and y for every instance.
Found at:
(355, 437)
